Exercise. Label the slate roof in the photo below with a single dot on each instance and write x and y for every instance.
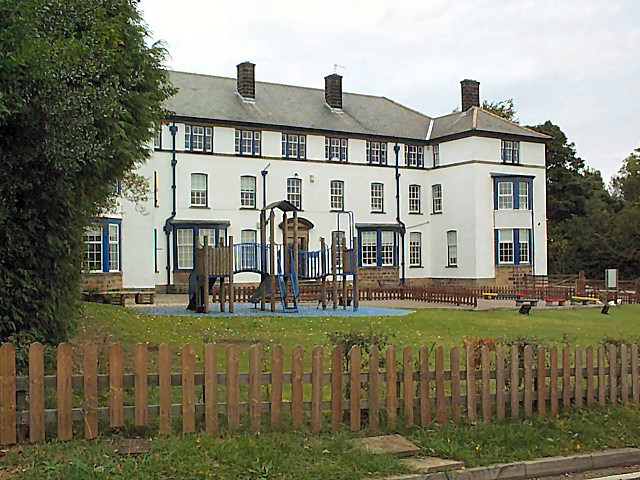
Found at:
(479, 120)
(215, 98)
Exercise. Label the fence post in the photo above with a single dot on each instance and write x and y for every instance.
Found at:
(63, 378)
(500, 383)
(7, 394)
(602, 392)
(528, 381)
(542, 378)
(276, 386)
(566, 376)
(514, 386)
(316, 389)
(391, 386)
(140, 384)
(441, 414)
(164, 382)
(553, 362)
(116, 413)
(36, 392)
(579, 377)
(613, 375)
(255, 385)
(407, 374)
(589, 360)
(374, 393)
(233, 409)
(354, 401)
(336, 388)
(188, 389)
(296, 386)
(454, 361)
(211, 387)
(471, 384)
(624, 372)
(90, 372)
(635, 393)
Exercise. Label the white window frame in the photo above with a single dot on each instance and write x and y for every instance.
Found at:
(114, 247)
(369, 246)
(337, 195)
(184, 248)
(210, 233)
(387, 247)
(524, 233)
(93, 248)
(377, 153)
(377, 197)
(523, 193)
(506, 247)
(415, 201)
(248, 191)
(415, 249)
(199, 195)
(452, 248)
(336, 149)
(436, 195)
(293, 146)
(157, 139)
(294, 192)
(510, 152)
(414, 155)
(198, 138)
(249, 251)
(505, 195)
(436, 155)
(247, 142)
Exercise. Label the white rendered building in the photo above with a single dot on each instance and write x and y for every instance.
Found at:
(471, 187)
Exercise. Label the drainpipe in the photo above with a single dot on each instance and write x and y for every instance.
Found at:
(264, 173)
(167, 224)
(396, 149)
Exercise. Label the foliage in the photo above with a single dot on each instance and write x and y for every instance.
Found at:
(81, 93)
(626, 183)
(363, 339)
(504, 108)
(476, 344)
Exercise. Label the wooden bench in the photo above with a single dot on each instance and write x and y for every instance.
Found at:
(528, 301)
(559, 301)
(583, 300)
(489, 295)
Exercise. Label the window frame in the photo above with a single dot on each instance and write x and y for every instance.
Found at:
(415, 249)
(377, 150)
(206, 138)
(248, 196)
(300, 145)
(452, 258)
(386, 253)
(377, 198)
(195, 192)
(415, 201)
(414, 159)
(510, 152)
(342, 149)
(218, 239)
(436, 200)
(505, 199)
(333, 195)
(526, 232)
(527, 188)
(106, 246)
(254, 141)
(157, 139)
(290, 194)
(436, 155)
(506, 255)
(93, 255)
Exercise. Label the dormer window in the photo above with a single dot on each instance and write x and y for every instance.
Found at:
(198, 139)
(248, 143)
(377, 153)
(415, 155)
(293, 146)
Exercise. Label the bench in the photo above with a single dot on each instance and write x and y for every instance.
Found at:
(527, 301)
(559, 301)
(583, 300)
(489, 295)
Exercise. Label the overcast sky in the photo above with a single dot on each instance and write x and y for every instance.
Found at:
(576, 63)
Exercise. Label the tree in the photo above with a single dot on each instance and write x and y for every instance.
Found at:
(505, 109)
(80, 96)
(626, 183)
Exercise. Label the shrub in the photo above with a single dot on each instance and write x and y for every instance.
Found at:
(364, 340)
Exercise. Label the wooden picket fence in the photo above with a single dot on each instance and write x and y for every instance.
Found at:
(494, 384)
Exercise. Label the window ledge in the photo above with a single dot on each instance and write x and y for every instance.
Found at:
(248, 208)
(378, 213)
(416, 266)
(436, 213)
(337, 210)
(415, 213)
(200, 207)
(451, 266)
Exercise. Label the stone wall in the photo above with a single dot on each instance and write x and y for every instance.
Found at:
(451, 282)
(511, 275)
(375, 276)
(102, 281)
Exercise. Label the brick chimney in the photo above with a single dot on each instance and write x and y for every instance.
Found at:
(333, 90)
(470, 94)
(247, 80)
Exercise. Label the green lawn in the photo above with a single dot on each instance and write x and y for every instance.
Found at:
(300, 456)
(582, 326)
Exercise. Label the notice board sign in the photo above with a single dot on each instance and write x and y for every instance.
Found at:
(611, 278)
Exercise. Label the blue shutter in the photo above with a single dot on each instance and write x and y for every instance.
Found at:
(516, 195)
(105, 246)
(516, 246)
(496, 252)
(495, 194)
(378, 248)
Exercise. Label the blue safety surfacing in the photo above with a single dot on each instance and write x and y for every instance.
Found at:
(244, 310)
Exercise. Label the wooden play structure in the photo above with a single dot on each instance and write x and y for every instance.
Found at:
(281, 267)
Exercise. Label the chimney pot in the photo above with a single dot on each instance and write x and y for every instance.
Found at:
(333, 90)
(247, 80)
(470, 94)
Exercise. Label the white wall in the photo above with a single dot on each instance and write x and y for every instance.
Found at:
(465, 176)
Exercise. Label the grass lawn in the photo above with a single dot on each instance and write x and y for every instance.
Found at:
(278, 455)
(581, 326)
